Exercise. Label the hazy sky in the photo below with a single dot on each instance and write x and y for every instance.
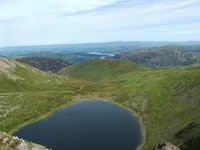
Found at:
(27, 22)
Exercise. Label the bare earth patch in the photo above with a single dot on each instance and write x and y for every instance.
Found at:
(6, 65)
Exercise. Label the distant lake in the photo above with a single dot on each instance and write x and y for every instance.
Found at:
(101, 54)
(86, 125)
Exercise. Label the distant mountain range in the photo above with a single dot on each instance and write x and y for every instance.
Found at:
(162, 57)
(98, 47)
(76, 53)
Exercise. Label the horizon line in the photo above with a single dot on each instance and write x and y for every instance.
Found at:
(84, 43)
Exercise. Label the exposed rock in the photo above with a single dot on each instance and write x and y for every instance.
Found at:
(8, 142)
(167, 146)
(6, 65)
(22, 146)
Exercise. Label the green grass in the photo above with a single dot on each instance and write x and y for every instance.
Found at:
(99, 69)
(166, 99)
(166, 110)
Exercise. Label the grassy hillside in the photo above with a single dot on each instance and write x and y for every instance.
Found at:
(166, 99)
(16, 77)
(99, 69)
(27, 94)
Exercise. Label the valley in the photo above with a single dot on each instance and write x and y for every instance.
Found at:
(165, 99)
(99, 75)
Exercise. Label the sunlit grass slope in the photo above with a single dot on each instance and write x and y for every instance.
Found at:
(100, 69)
(27, 94)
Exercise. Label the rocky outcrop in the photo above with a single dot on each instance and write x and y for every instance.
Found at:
(8, 142)
(167, 146)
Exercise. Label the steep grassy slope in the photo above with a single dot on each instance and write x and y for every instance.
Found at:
(166, 99)
(99, 69)
(27, 94)
(16, 77)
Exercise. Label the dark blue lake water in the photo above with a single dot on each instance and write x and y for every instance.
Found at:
(86, 125)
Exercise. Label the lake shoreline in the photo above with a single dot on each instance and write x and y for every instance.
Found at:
(140, 121)
(109, 100)
(41, 117)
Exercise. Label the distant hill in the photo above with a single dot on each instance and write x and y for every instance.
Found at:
(108, 47)
(161, 57)
(98, 69)
(44, 64)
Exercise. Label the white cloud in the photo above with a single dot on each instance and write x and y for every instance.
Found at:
(25, 22)
(27, 8)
